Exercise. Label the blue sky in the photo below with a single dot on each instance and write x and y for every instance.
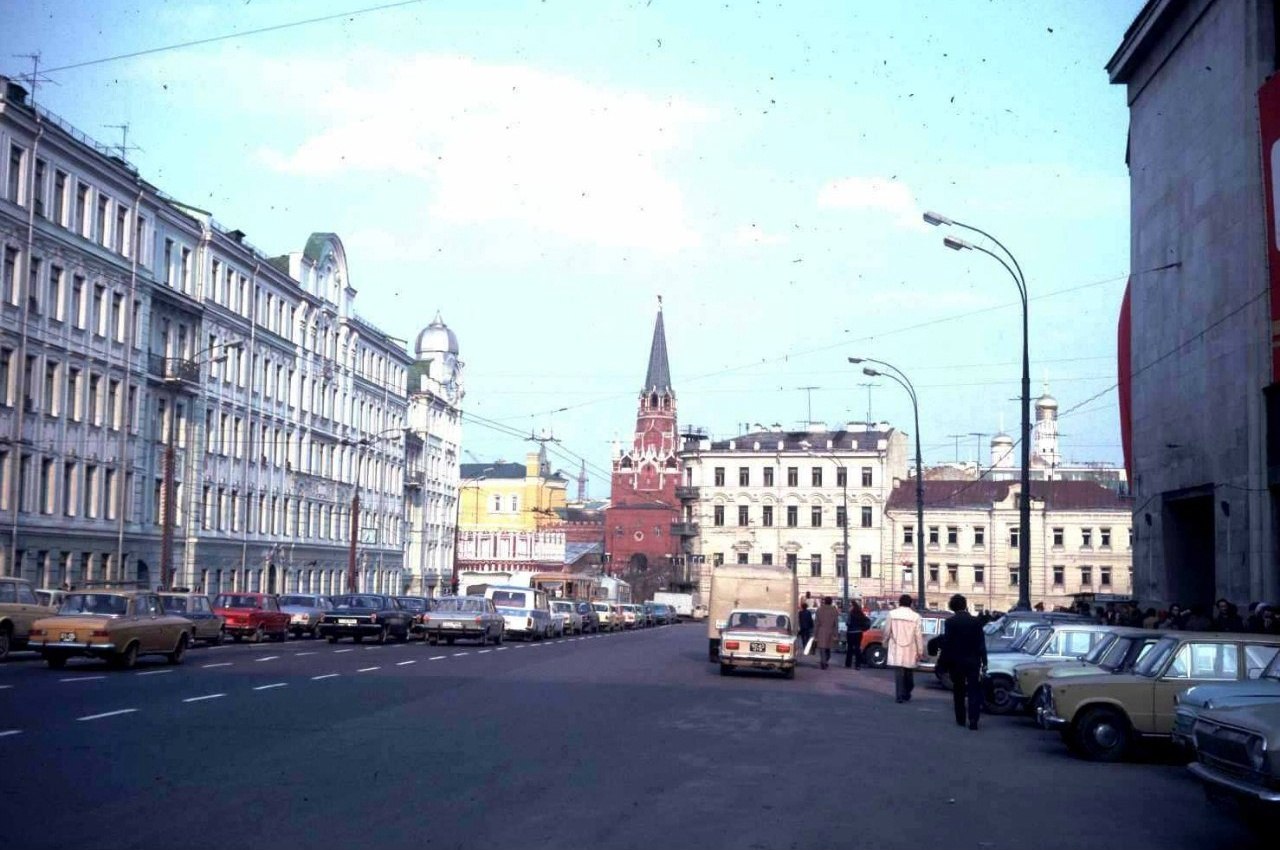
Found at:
(540, 171)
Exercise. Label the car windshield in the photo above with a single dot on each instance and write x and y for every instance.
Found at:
(95, 604)
(584, 608)
(1113, 654)
(1099, 649)
(1155, 659)
(176, 604)
(562, 607)
(237, 600)
(357, 602)
(1032, 639)
(1272, 670)
(413, 603)
(298, 601)
(453, 606)
(759, 621)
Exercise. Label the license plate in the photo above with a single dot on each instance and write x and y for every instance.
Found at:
(346, 622)
(453, 625)
(758, 646)
(68, 636)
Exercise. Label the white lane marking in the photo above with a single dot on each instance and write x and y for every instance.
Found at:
(269, 687)
(483, 651)
(369, 669)
(403, 663)
(5, 687)
(5, 733)
(520, 646)
(373, 647)
(203, 698)
(325, 676)
(83, 679)
(436, 658)
(154, 672)
(219, 664)
(300, 654)
(344, 650)
(268, 658)
(501, 649)
(460, 654)
(107, 714)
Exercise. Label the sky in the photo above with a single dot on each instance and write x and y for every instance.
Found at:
(540, 172)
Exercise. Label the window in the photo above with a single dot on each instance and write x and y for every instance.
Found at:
(907, 574)
(742, 557)
(864, 566)
(117, 235)
(743, 515)
(793, 516)
(953, 535)
(1215, 661)
(91, 491)
(842, 566)
(99, 309)
(168, 261)
(793, 476)
(842, 477)
(842, 518)
(815, 517)
(792, 561)
(816, 476)
(979, 575)
(33, 286)
(767, 559)
(100, 222)
(719, 476)
(69, 501)
(118, 316)
(908, 535)
(1059, 576)
(717, 559)
(77, 301)
(1104, 538)
(10, 279)
(815, 565)
(933, 535)
(47, 486)
(979, 535)
(1013, 576)
(766, 515)
(6, 377)
(113, 405)
(51, 405)
(953, 575)
(1013, 537)
(768, 476)
(81, 223)
(933, 574)
(515, 504)
(1104, 576)
(1086, 576)
(16, 157)
(1086, 538)
(95, 411)
(866, 476)
(1057, 537)
(53, 305)
(744, 476)
(866, 517)
(717, 514)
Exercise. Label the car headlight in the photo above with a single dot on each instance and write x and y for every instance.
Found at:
(1257, 749)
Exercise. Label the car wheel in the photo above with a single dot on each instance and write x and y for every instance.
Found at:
(382, 635)
(180, 650)
(258, 634)
(497, 640)
(1038, 701)
(283, 636)
(237, 637)
(219, 638)
(1101, 734)
(6, 641)
(448, 641)
(789, 673)
(875, 655)
(127, 659)
(357, 638)
(56, 661)
(725, 669)
(1000, 695)
(333, 638)
(315, 632)
(404, 635)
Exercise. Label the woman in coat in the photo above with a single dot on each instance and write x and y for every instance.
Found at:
(858, 623)
(826, 630)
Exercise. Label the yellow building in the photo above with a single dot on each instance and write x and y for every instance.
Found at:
(503, 496)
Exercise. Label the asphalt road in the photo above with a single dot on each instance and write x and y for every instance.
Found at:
(615, 741)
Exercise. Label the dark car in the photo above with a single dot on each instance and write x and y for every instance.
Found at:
(590, 617)
(420, 606)
(362, 615)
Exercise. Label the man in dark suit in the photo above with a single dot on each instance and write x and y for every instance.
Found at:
(963, 657)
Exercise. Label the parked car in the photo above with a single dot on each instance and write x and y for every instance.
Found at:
(874, 652)
(1054, 642)
(50, 597)
(608, 621)
(758, 640)
(362, 615)
(205, 624)
(1261, 685)
(114, 625)
(1118, 653)
(566, 611)
(19, 610)
(305, 611)
(525, 611)
(1238, 758)
(419, 606)
(252, 615)
(455, 617)
(590, 616)
(632, 617)
(701, 612)
(1004, 631)
(650, 612)
(1101, 717)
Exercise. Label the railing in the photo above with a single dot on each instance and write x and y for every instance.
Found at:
(173, 368)
(415, 480)
(684, 529)
(687, 493)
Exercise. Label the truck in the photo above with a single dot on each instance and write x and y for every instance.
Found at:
(771, 587)
(682, 603)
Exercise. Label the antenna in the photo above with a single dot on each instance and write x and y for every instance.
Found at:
(122, 149)
(35, 78)
(809, 410)
(957, 439)
(869, 386)
(977, 457)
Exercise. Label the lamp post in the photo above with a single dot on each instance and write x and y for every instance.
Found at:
(352, 571)
(1024, 502)
(457, 524)
(896, 374)
(182, 369)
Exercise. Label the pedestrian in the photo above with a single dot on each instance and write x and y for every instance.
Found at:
(1150, 619)
(806, 625)
(1269, 623)
(1226, 617)
(1173, 620)
(963, 658)
(904, 642)
(1197, 620)
(856, 624)
(826, 628)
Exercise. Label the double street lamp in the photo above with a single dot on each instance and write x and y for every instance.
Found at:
(895, 374)
(1024, 500)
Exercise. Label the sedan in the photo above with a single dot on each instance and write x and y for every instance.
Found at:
(419, 606)
(361, 615)
(455, 617)
(196, 607)
(566, 611)
(252, 615)
(117, 626)
(590, 616)
(305, 611)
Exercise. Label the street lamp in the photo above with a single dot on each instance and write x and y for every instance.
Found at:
(1024, 503)
(183, 370)
(896, 374)
(457, 523)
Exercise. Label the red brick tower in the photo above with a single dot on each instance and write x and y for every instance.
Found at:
(643, 506)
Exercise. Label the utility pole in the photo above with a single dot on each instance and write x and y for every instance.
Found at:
(352, 573)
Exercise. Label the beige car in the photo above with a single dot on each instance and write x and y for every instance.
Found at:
(1102, 716)
(115, 625)
(19, 610)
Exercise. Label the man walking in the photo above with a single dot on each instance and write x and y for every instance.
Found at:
(904, 640)
(963, 656)
(857, 623)
(826, 630)
(806, 625)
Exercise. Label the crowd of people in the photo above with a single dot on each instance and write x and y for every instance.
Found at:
(1260, 617)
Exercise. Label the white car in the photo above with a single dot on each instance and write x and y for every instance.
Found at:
(758, 640)
(566, 612)
(608, 622)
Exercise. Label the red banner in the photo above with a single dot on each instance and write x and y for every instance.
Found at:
(1269, 126)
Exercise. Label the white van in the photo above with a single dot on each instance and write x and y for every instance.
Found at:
(525, 611)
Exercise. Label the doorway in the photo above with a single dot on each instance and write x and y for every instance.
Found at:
(1190, 560)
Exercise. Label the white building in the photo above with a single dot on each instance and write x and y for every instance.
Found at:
(785, 497)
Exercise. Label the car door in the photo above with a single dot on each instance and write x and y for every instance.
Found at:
(1193, 663)
(26, 609)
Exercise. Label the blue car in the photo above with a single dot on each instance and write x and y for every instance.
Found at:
(1192, 702)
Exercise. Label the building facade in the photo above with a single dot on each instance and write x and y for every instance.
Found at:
(1199, 357)
(1080, 543)
(508, 515)
(792, 497)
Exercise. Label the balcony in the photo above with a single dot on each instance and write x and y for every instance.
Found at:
(415, 480)
(173, 369)
(684, 529)
(687, 494)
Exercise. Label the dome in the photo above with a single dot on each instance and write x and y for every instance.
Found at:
(1047, 401)
(436, 337)
(1002, 439)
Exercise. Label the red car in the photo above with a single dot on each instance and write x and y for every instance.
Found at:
(252, 615)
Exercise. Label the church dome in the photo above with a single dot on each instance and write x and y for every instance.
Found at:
(1047, 401)
(1001, 439)
(436, 337)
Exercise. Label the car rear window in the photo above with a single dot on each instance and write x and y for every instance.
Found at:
(237, 600)
(298, 600)
(509, 598)
(176, 604)
(358, 602)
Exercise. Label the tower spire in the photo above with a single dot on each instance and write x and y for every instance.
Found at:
(658, 378)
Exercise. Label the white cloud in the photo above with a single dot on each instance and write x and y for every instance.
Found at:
(501, 143)
(873, 194)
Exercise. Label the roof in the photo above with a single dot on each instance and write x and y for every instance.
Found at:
(580, 515)
(1057, 495)
(658, 377)
(573, 552)
(497, 469)
(791, 440)
(1148, 25)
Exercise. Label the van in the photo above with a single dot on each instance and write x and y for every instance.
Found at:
(525, 610)
(762, 587)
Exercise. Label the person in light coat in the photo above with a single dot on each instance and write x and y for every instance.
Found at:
(904, 642)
